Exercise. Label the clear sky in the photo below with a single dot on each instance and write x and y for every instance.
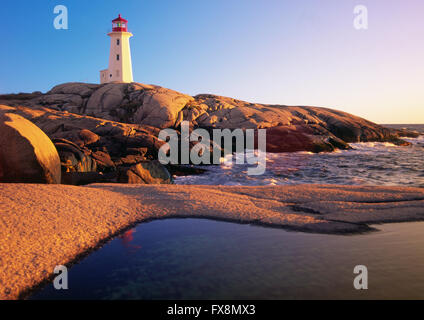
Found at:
(294, 52)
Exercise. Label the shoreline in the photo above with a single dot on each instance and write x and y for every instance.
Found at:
(49, 225)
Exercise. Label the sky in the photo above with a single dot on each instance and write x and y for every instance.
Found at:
(291, 52)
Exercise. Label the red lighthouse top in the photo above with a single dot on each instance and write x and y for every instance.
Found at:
(119, 25)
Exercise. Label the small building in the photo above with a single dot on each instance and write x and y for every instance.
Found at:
(120, 65)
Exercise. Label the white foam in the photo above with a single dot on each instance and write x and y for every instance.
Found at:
(372, 163)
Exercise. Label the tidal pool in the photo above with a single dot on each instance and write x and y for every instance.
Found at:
(205, 259)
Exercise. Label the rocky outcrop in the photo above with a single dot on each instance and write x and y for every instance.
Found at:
(103, 102)
(146, 172)
(74, 158)
(131, 103)
(27, 155)
(296, 138)
(290, 128)
(91, 149)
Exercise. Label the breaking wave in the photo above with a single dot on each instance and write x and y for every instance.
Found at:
(370, 163)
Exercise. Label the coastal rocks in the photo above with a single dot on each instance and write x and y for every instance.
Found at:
(83, 90)
(19, 98)
(60, 101)
(92, 133)
(103, 161)
(146, 172)
(104, 100)
(93, 150)
(27, 155)
(79, 137)
(136, 105)
(71, 97)
(160, 107)
(301, 138)
(132, 103)
(289, 128)
(74, 158)
(351, 128)
(405, 132)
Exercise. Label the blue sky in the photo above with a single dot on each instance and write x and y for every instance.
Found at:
(303, 52)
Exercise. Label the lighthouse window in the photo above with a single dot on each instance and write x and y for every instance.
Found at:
(117, 42)
(117, 57)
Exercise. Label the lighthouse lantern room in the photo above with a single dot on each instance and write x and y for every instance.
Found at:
(120, 65)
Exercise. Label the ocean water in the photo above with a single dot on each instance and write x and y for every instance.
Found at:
(370, 163)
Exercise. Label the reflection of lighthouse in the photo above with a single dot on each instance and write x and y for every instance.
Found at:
(127, 238)
(120, 65)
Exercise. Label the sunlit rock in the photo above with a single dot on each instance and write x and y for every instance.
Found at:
(27, 155)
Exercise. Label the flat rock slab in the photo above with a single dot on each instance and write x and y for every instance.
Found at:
(47, 225)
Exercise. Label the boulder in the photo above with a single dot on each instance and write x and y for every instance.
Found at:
(130, 159)
(79, 137)
(60, 100)
(74, 158)
(160, 107)
(76, 88)
(106, 99)
(87, 137)
(146, 172)
(27, 155)
(103, 161)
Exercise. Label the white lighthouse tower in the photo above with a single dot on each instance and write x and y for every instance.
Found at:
(120, 65)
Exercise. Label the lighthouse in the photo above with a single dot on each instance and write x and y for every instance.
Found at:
(120, 65)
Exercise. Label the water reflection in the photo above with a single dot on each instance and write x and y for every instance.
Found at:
(126, 240)
(203, 259)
